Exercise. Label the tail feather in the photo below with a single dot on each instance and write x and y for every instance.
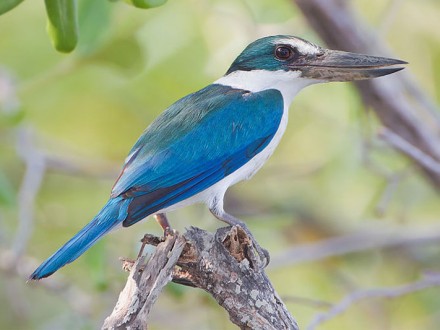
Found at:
(112, 214)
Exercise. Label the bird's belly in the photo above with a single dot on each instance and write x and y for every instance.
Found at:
(217, 191)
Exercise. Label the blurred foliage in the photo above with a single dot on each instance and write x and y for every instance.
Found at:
(89, 107)
(7, 5)
(62, 20)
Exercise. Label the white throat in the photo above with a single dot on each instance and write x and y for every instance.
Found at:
(288, 83)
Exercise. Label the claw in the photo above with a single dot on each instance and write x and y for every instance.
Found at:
(261, 258)
(241, 245)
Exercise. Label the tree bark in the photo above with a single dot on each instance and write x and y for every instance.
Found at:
(217, 263)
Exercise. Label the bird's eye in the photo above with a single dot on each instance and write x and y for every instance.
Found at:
(285, 53)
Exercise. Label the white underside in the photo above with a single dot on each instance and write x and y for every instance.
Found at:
(289, 84)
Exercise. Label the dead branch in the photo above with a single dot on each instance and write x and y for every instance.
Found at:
(404, 111)
(147, 279)
(218, 264)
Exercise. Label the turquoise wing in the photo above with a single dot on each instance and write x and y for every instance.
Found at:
(195, 143)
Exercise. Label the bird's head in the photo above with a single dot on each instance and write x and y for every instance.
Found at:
(302, 59)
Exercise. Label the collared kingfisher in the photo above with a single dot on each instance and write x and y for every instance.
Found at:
(220, 135)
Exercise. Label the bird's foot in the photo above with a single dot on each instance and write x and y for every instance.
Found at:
(168, 232)
(242, 245)
(258, 256)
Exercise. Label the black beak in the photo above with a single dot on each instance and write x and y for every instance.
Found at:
(333, 65)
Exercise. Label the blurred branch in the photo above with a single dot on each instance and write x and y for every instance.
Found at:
(397, 100)
(33, 177)
(392, 178)
(361, 241)
(37, 162)
(419, 96)
(72, 167)
(408, 149)
(9, 102)
(392, 182)
(428, 281)
(218, 264)
(303, 301)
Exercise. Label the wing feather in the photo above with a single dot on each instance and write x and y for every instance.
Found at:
(195, 143)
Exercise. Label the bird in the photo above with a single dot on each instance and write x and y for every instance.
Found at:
(216, 137)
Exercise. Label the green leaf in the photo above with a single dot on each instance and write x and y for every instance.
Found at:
(62, 24)
(94, 21)
(7, 5)
(146, 4)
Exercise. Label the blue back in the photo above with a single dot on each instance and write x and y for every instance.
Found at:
(195, 143)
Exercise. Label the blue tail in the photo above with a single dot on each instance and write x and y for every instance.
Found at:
(112, 214)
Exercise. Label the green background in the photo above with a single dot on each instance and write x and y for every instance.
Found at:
(84, 110)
